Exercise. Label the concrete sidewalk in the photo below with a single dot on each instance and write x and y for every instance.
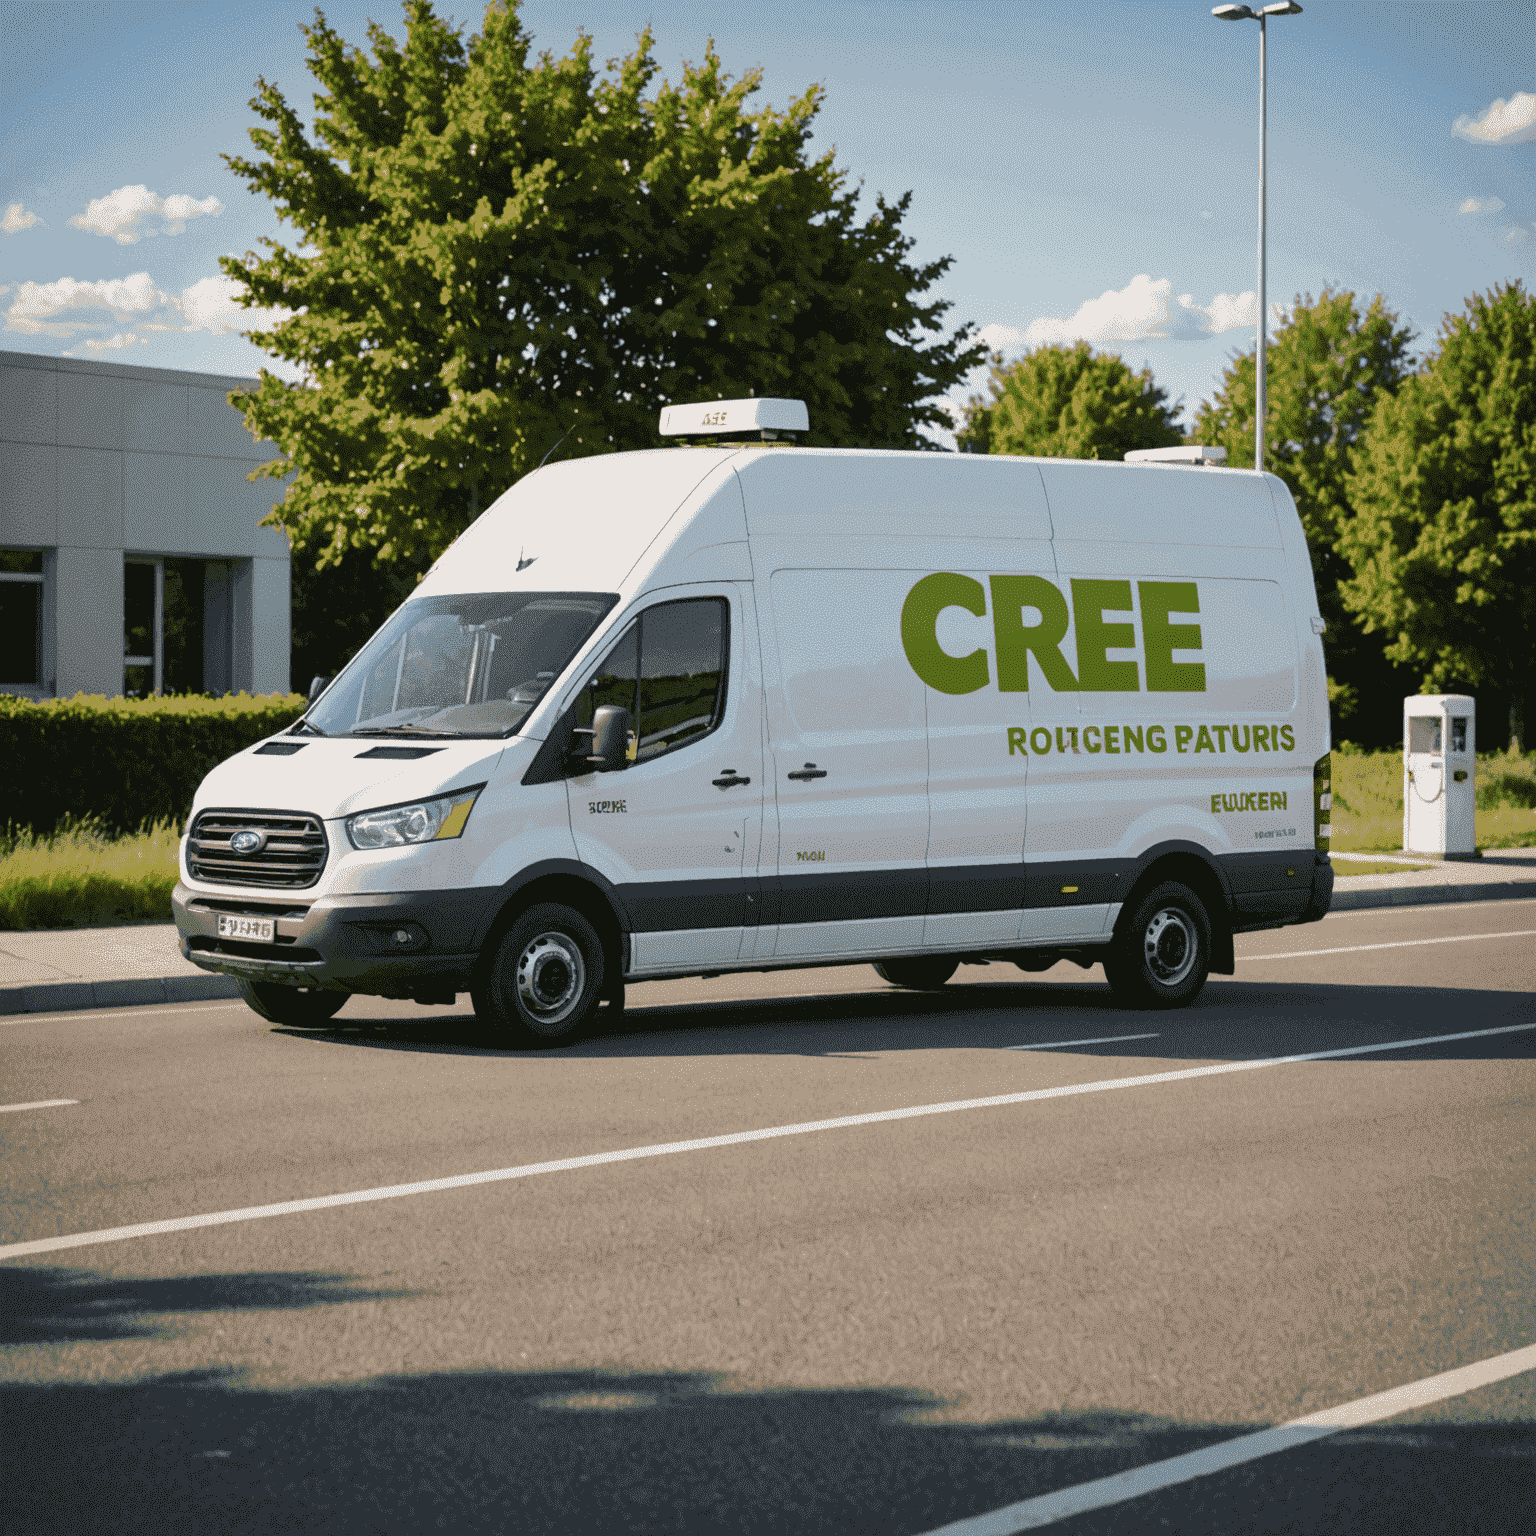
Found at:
(70, 968)
(62, 968)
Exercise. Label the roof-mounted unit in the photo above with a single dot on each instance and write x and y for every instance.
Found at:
(768, 421)
(1185, 453)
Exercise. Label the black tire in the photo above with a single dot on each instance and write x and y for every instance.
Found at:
(542, 979)
(295, 1007)
(1034, 964)
(922, 973)
(1162, 955)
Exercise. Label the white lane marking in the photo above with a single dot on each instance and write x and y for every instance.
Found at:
(1057, 1045)
(6, 1109)
(1031, 1514)
(88, 1015)
(708, 1143)
(1355, 949)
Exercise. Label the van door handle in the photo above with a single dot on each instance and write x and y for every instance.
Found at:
(728, 777)
(810, 771)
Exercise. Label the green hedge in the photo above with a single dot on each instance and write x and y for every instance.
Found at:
(123, 761)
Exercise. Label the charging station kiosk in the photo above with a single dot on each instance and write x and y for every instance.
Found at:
(1440, 776)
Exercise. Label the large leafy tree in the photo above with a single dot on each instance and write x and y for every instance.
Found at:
(1326, 367)
(1068, 403)
(497, 252)
(1443, 540)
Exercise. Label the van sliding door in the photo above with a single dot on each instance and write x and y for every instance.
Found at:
(847, 742)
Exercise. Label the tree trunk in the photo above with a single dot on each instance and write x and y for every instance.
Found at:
(1517, 719)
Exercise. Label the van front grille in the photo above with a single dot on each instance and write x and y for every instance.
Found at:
(291, 852)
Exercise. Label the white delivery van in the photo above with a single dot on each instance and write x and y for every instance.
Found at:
(749, 706)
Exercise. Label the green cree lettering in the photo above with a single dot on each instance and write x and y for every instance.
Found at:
(1016, 741)
(919, 620)
(1016, 639)
(1159, 638)
(1096, 672)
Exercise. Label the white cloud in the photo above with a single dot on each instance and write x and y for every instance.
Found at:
(65, 307)
(1482, 205)
(209, 305)
(1517, 234)
(17, 219)
(68, 309)
(1205, 213)
(1504, 122)
(996, 338)
(129, 213)
(1144, 310)
(111, 344)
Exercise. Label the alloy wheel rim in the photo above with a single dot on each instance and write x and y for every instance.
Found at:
(1171, 945)
(551, 977)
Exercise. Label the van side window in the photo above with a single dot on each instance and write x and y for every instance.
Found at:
(682, 673)
(615, 680)
(668, 671)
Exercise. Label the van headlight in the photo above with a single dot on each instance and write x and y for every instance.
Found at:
(422, 821)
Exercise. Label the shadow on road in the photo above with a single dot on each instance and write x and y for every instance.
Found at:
(613, 1452)
(1231, 1020)
(63, 1306)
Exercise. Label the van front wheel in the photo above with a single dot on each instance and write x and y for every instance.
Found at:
(295, 1007)
(1162, 956)
(544, 978)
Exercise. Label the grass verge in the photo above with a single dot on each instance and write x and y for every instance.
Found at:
(79, 877)
(1368, 801)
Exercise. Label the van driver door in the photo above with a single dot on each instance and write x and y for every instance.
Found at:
(677, 831)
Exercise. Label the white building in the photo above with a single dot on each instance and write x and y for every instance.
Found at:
(132, 559)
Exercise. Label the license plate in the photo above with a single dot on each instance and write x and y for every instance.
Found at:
(262, 929)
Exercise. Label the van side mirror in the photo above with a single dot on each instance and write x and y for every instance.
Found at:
(609, 735)
(317, 686)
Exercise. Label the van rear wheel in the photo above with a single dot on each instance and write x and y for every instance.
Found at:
(295, 1007)
(543, 979)
(921, 973)
(1162, 956)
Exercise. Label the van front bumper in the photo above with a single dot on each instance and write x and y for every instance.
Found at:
(397, 944)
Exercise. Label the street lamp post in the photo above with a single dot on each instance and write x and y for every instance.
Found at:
(1260, 398)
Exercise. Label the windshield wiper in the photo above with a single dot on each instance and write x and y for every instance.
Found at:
(407, 729)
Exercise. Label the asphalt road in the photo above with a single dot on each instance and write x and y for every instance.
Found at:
(881, 1326)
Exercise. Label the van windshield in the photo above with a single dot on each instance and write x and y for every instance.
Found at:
(459, 666)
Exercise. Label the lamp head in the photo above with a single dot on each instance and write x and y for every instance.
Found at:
(1234, 13)
(1283, 8)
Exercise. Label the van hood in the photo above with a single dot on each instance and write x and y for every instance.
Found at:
(337, 776)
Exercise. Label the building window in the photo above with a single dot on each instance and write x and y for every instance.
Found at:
(163, 622)
(21, 618)
(143, 627)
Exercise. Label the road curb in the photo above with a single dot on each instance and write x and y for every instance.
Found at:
(123, 992)
(1431, 895)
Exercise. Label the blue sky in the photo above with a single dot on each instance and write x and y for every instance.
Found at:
(1091, 169)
